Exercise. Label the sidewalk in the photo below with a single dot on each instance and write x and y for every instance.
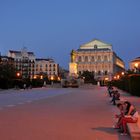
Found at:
(83, 114)
(133, 99)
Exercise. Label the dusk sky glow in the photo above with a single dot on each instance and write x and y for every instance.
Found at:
(52, 28)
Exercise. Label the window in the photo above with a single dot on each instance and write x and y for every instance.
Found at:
(99, 58)
(105, 58)
(95, 46)
(86, 58)
(92, 59)
(80, 59)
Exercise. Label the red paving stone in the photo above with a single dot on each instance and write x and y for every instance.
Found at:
(84, 114)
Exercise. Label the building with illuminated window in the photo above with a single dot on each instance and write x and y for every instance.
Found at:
(6, 60)
(97, 57)
(135, 64)
(24, 62)
(46, 67)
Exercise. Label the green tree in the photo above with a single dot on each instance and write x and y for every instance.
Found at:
(7, 75)
(88, 77)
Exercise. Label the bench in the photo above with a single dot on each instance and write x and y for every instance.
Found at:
(134, 130)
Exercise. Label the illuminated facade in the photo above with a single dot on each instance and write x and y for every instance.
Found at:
(46, 67)
(24, 62)
(97, 57)
(135, 64)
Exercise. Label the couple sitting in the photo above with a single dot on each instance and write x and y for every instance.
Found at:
(128, 114)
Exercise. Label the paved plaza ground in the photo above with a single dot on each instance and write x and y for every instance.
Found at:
(82, 114)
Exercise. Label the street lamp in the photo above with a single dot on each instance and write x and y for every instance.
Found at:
(52, 78)
(118, 76)
(18, 74)
(122, 73)
(136, 67)
(115, 77)
(41, 77)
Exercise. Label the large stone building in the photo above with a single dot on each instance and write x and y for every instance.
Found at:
(24, 62)
(46, 67)
(135, 64)
(97, 57)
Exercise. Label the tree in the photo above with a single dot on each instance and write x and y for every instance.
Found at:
(88, 77)
(7, 75)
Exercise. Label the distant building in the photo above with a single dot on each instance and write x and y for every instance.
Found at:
(24, 62)
(46, 67)
(97, 57)
(6, 60)
(63, 73)
(135, 64)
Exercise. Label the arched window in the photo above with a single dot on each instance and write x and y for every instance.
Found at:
(92, 59)
(95, 46)
(105, 58)
(86, 58)
(80, 59)
(99, 58)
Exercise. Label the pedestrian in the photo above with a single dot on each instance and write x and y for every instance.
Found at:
(24, 86)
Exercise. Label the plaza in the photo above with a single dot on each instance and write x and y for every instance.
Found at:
(59, 114)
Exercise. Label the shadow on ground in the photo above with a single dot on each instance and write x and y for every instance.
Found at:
(112, 132)
(105, 129)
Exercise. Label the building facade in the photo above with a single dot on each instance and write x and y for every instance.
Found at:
(97, 57)
(6, 60)
(46, 67)
(135, 64)
(24, 62)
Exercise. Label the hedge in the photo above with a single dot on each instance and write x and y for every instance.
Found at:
(129, 83)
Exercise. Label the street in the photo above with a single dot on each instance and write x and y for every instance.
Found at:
(57, 114)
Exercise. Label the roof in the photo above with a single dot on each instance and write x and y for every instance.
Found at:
(18, 52)
(136, 59)
(93, 40)
(96, 44)
(94, 50)
(45, 59)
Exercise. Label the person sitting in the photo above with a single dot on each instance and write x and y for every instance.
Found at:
(119, 116)
(130, 116)
(110, 90)
(115, 96)
(133, 118)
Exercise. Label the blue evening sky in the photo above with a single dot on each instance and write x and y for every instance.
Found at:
(52, 28)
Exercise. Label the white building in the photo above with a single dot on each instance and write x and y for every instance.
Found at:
(24, 62)
(97, 57)
(46, 67)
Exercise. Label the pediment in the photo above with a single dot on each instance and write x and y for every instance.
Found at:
(96, 44)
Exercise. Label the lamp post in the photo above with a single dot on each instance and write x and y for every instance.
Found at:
(122, 73)
(18, 74)
(136, 67)
(52, 78)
